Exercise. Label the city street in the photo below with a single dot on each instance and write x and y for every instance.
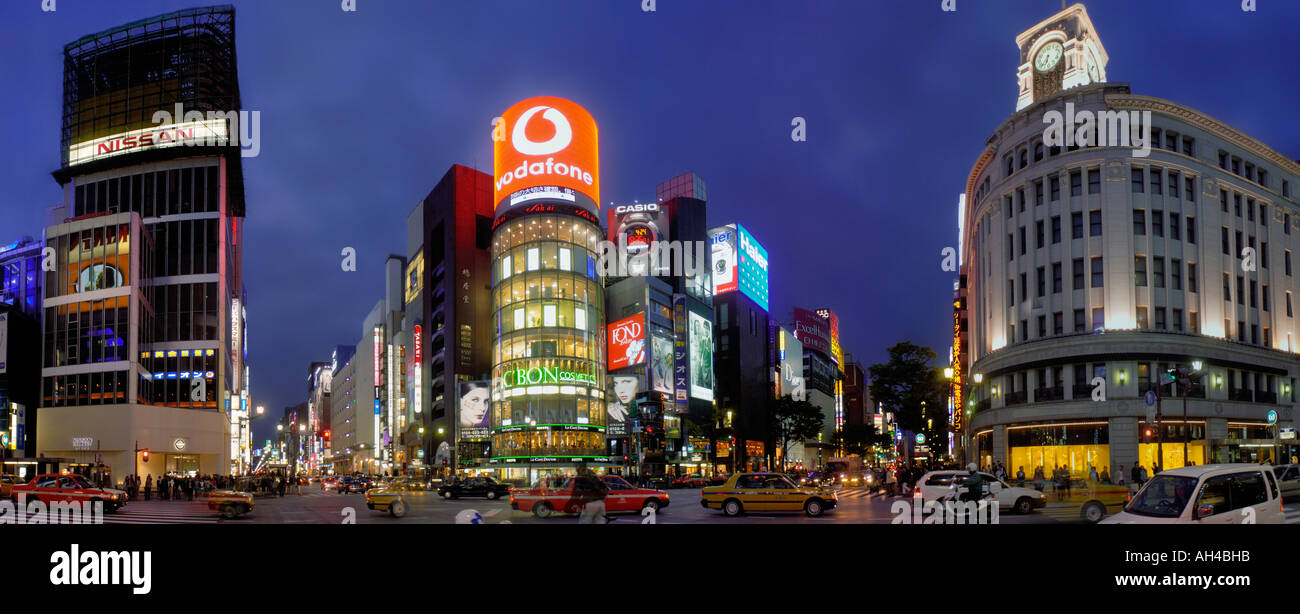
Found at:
(857, 506)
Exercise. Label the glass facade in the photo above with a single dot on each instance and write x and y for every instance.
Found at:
(1040, 450)
(547, 351)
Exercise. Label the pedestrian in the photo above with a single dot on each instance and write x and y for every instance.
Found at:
(1142, 475)
(148, 486)
(1135, 475)
(1105, 474)
(1092, 473)
(1020, 476)
(891, 483)
(1119, 476)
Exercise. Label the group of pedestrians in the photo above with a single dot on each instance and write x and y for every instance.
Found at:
(173, 487)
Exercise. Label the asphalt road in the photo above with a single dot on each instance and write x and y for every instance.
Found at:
(314, 506)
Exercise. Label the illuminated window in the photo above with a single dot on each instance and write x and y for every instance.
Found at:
(580, 318)
(548, 315)
(534, 258)
(566, 259)
(519, 318)
(505, 267)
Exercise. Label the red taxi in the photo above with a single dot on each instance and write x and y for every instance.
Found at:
(52, 487)
(563, 494)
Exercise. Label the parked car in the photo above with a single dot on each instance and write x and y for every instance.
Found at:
(231, 503)
(474, 487)
(1288, 481)
(559, 494)
(934, 485)
(766, 492)
(52, 487)
(1207, 494)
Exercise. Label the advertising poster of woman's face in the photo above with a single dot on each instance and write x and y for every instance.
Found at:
(621, 394)
(474, 404)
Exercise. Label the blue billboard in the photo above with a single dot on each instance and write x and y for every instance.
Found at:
(752, 267)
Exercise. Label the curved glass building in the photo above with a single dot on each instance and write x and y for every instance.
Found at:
(548, 318)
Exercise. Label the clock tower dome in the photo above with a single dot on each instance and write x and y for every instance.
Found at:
(1058, 53)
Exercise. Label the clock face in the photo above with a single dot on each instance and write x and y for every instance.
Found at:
(1048, 56)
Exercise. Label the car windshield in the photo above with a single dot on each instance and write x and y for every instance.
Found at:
(1164, 496)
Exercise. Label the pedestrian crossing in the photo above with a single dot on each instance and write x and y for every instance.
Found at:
(163, 512)
(854, 493)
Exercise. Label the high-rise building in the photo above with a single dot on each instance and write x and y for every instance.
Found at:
(548, 301)
(742, 365)
(144, 317)
(448, 307)
(1130, 299)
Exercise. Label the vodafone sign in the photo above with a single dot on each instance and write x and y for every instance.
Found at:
(627, 342)
(547, 150)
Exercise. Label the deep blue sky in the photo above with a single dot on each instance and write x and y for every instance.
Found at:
(363, 112)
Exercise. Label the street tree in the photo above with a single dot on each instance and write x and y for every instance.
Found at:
(794, 421)
(913, 389)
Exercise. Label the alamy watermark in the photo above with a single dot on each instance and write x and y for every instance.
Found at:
(22, 511)
(945, 512)
(1106, 128)
(243, 128)
(655, 258)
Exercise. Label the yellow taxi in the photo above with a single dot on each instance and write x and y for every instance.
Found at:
(766, 492)
(393, 497)
(1093, 499)
(7, 485)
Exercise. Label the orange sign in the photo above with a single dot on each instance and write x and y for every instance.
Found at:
(546, 149)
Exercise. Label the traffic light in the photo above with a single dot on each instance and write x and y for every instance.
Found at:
(145, 455)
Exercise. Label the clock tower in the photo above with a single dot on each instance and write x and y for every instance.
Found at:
(1058, 53)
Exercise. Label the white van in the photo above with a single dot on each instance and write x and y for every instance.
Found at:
(1239, 493)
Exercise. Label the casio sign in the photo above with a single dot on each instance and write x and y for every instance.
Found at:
(637, 208)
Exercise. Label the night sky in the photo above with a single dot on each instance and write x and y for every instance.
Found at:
(363, 112)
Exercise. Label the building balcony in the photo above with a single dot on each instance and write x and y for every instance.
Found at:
(1082, 391)
(1017, 398)
(1265, 397)
(1241, 394)
(1054, 393)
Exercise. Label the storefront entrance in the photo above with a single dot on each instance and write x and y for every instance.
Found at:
(184, 464)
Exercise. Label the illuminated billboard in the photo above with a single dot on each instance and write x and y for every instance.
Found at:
(701, 348)
(620, 401)
(723, 240)
(635, 229)
(790, 360)
(546, 148)
(811, 330)
(202, 132)
(627, 342)
(739, 263)
(752, 266)
(4, 340)
(661, 363)
(473, 400)
(833, 327)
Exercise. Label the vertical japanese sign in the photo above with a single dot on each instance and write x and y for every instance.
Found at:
(681, 371)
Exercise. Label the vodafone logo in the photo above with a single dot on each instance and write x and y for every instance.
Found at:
(626, 333)
(563, 133)
(548, 143)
